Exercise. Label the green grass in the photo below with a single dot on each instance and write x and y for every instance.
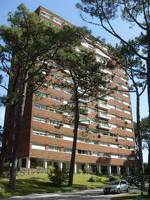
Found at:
(81, 180)
(39, 183)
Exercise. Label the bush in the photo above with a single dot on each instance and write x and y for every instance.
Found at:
(94, 179)
(57, 177)
(80, 171)
(113, 178)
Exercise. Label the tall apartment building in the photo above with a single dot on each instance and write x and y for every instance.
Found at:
(47, 135)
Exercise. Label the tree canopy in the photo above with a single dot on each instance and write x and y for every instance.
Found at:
(137, 14)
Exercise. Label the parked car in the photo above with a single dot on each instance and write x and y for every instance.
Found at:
(116, 187)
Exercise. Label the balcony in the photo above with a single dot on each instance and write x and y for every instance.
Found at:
(106, 71)
(103, 115)
(84, 121)
(104, 125)
(84, 111)
(103, 105)
(83, 100)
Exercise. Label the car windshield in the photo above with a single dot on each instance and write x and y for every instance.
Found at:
(114, 183)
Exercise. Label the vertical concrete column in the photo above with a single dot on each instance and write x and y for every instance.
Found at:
(87, 166)
(75, 168)
(127, 171)
(118, 170)
(45, 164)
(60, 166)
(109, 170)
(99, 168)
(20, 163)
(28, 163)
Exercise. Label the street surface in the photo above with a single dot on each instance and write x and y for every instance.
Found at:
(96, 194)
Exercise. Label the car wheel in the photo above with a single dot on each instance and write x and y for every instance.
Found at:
(118, 191)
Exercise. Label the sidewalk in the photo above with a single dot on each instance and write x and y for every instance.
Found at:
(46, 195)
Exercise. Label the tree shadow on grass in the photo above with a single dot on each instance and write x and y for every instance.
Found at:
(27, 186)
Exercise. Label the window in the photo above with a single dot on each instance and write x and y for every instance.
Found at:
(113, 126)
(131, 158)
(82, 128)
(125, 95)
(54, 148)
(55, 123)
(40, 133)
(114, 156)
(68, 126)
(40, 119)
(67, 90)
(107, 155)
(112, 107)
(68, 138)
(57, 21)
(55, 97)
(45, 15)
(41, 106)
(38, 146)
(126, 103)
(129, 129)
(55, 87)
(91, 110)
(130, 139)
(124, 87)
(67, 150)
(41, 94)
(113, 145)
(127, 112)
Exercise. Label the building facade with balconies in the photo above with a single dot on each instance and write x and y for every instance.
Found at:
(106, 141)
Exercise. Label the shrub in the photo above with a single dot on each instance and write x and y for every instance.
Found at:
(99, 180)
(113, 178)
(94, 179)
(80, 171)
(57, 177)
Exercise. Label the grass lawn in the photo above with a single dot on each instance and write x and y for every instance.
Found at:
(39, 183)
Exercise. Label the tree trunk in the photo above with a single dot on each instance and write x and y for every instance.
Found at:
(2, 161)
(139, 141)
(2, 156)
(18, 121)
(148, 73)
(7, 129)
(149, 169)
(75, 131)
(148, 94)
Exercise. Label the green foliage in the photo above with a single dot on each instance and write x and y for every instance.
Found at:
(57, 177)
(134, 53)
(28, 47)
(113, 178)
(94, 179)
(86, 73)
(80, 171)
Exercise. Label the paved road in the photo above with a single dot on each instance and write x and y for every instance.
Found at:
(96, 194)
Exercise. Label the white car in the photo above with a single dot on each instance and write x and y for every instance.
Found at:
(117, 187)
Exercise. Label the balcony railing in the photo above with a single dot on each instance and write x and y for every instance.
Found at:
(104, 125)
(106, 71)
(103, 115)
(84, 121)
(102, 105)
